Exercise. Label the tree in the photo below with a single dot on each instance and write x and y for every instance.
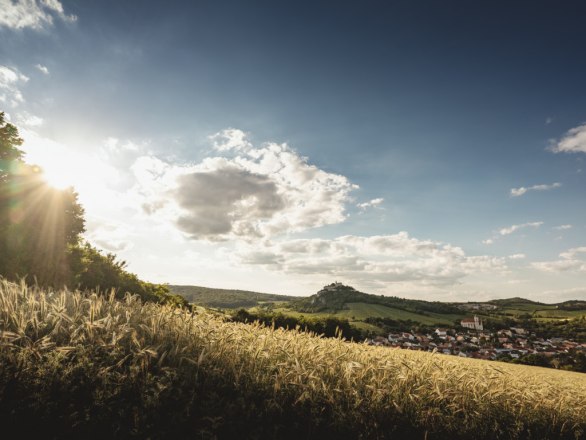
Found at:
(39, 224)
(9, 143)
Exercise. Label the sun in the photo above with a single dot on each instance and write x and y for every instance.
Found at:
(74, 169)
(91, 175)
(59, 176)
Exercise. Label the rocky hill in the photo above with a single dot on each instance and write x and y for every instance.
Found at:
(337, 296)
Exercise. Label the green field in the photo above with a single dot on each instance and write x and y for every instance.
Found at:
(361, 311)
(547, 312)
(356, 313)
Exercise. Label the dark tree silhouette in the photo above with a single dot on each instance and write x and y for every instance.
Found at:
(39, 224)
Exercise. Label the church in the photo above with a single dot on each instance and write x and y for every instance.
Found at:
(472, 323)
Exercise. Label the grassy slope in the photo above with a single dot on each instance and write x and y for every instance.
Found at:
(357, 312)
(361, 311)
(226, 298)
(94, 367)
(544, 312)
(520, 306)
(358, 306)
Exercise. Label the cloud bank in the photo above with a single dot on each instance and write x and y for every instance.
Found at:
(380, 259)
(34, 14)
(10, 80)
(569, 261)
(245, 192)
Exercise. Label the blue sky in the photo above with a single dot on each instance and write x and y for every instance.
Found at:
(422, 149)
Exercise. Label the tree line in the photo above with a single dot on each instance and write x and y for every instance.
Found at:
(41, 231)
(328, 326)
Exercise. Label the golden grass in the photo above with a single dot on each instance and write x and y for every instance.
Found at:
(355, 389)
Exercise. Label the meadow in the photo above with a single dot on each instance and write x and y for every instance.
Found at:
(94, 366)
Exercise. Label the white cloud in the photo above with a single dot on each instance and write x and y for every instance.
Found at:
(374, 203)
(113, 147)
(10, 78)
(560, 266)
(380, 259)
(42, 69)
(573, 253)
(564, 294)
(109, 235)
(574, 141)
(517, 257)
(569, 262)
(29, 120)
(510, 229)
(261, 192)
(34, 14)
(516, 192)
(562, 227)
(230, 139)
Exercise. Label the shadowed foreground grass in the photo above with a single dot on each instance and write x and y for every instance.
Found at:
(86, 366)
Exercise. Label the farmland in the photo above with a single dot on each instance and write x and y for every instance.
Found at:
(125, 366)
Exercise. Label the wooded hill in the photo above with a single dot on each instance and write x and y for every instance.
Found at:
(226, 298)
(336, 297)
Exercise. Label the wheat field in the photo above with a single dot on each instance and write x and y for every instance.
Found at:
(92, 365)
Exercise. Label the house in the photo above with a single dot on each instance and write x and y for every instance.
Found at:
(519, 330)
(474, 323)
(380, 340)
(441, 332)
(394, 337)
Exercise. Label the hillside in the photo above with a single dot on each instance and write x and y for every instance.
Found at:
(514, 302)
(336, 297)
(85, 366)
(365, 315)
(226, 298)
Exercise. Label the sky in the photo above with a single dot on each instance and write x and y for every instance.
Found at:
(422, 149)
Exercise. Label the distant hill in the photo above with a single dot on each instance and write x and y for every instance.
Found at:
(514, 301)
(572, 305)
(226, 298)
(336, 297)
(373, 312)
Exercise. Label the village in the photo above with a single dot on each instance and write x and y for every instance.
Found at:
(471, 340)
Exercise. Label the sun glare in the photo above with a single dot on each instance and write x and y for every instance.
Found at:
(69, 170)
(63, 168)
(59, 176)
